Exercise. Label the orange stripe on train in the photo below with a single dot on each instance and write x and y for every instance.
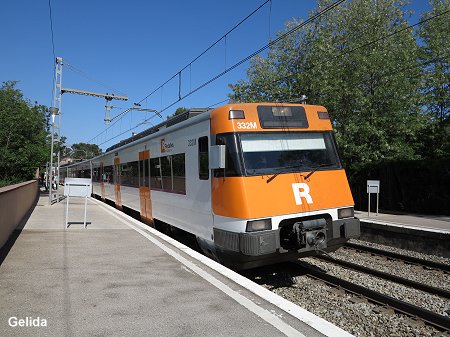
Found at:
(253, 197)
(221, 124)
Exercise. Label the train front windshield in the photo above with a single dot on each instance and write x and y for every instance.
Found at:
(272, 153)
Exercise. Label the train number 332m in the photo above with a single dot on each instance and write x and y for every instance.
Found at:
(246, 125)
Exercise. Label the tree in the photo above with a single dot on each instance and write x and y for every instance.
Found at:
(435, 88)
(24, 136)
(84, 151)
(282, 75)
(177, 112)
(352, 61)
(62, 146)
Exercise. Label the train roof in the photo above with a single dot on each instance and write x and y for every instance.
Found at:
(171, 121)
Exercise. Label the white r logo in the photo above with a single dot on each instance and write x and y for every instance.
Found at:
(301, 190)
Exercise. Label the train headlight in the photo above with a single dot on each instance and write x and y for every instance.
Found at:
(346, 213)
(259, 225)
(236, 114)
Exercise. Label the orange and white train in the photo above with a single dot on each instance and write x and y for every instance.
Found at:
(255, 183)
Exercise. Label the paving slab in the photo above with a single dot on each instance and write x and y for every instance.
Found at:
(115, 278)
(420, 221)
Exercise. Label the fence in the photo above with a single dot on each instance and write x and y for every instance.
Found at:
(406, 186)
(15, 203)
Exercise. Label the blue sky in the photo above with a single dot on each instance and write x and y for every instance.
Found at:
(134, 47)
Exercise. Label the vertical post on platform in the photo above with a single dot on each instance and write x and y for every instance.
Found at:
(378, 199)
(373, 186)
(55, 111)
(85, 206)
(67, 209)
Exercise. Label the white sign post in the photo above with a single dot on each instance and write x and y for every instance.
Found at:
(77, 187)
(373, 186)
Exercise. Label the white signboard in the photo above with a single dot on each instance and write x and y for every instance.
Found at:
(77, 187)
(373, 186)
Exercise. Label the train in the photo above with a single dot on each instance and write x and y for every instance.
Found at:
(254, 183)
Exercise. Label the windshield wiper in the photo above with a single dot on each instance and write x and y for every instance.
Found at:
(281, 169)
(316, 168)
(294, 166)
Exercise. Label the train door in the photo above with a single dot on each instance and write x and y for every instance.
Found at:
(102, 178)
(202, 190)
(117, 183)
(144, 187)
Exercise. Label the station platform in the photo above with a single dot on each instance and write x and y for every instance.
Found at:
(426, 234)
(436, 223)
(119, 277)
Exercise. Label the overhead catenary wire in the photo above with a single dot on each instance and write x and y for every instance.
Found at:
(290, 32)
(87, 76)
(281, 37)
(217, 103)
(53, 47)
(189, 65)
(51, 29)
(207, 49)
(387, 73)
(368, 44)
(141, 123)
(270, 18)
(271, 43)
(383, 76)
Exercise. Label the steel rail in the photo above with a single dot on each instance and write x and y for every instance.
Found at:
(438, 321)
(397, 279)
(409, 259)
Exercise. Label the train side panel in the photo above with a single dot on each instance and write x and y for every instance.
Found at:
(182, 200)
(296, 203)
(191, 210)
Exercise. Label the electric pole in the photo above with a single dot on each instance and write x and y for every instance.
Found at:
(55, 110)
(107, 97)
(56, 120)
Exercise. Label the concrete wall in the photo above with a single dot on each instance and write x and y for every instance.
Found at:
(422, 241)
(15, 202)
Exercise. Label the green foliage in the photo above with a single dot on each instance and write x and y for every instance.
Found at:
(177, 112)
(416, 186)
(62, 146)
(435, 88)
(84, 151)
(24, 143)
(362, 63)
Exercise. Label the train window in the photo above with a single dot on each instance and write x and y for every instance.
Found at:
(97, 172)
(270, 153)
(86, 173)
(129, 174)
(144, 173)
(117, 174)
(95, 175)
(233, 165)
(108, 174)
(179, 173)
(282, 116)
(155, 173)
(166, 173)
(203, 159)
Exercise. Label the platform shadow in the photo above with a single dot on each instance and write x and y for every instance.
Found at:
(70, 223)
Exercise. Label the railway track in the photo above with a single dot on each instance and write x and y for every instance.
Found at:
(396, 256)
(438, 321)
(387, 276)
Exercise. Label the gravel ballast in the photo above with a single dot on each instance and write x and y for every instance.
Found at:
(352, 314)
